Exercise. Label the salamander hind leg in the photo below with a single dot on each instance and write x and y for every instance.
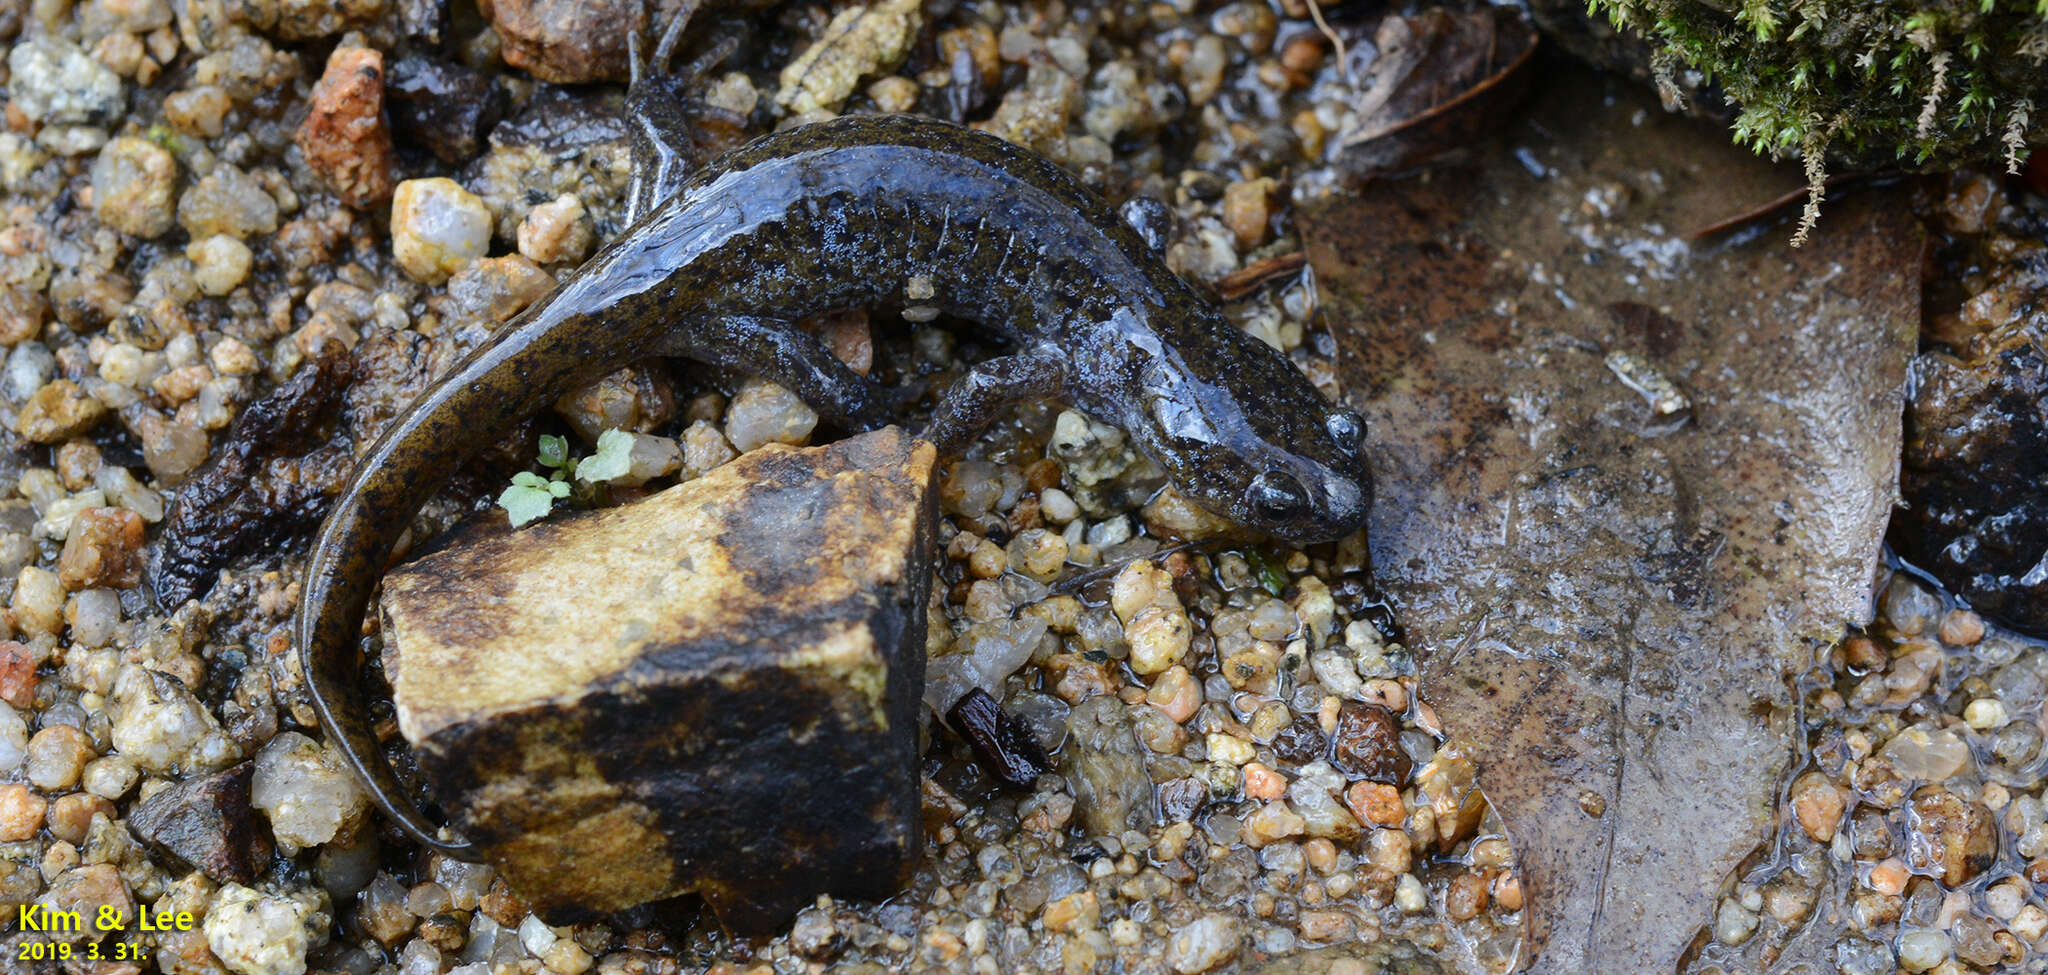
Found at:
(988, 389)
(779, 351)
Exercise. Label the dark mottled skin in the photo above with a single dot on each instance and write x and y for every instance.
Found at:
(842, 214)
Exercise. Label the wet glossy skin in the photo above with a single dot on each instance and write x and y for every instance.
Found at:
(843, 214)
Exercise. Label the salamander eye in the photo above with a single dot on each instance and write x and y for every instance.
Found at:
(1348, 429)
(1278, 496)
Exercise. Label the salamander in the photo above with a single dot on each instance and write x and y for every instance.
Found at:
(720, 264)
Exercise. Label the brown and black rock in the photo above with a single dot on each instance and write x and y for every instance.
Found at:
(1976, 444)
(444, 107)
(1367, 744)
(712, 690)
(208, 823)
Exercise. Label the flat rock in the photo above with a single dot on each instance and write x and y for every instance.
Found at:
(1627, 481)
(711, 690)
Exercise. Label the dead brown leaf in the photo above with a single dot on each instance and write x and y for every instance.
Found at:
(1443, 80)
(1625, 482)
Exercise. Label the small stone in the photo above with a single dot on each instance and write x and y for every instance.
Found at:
(704, 449)
(1177, 693)
(1961, 628)
(89, 891)
(636, 399)
(1158, 636)
(306, 20)
(1409, 895)
(1449, 783)
(1367, 744)
(71, 817)
(1931, 756)
(1818, 805)
(1985, 713)
(220, 263)
(56, 757)
(344, 138)
(200, 110)
(894, 94)
(556, 232)
(227, 201)
(21, 813)
(1171, 515)
(103, 550)
(38, 605)
(111, 777)
(494, 289)
(860, 42)
(2029, 924)
(381, 911)
(1923, 949)
(786, 593)
(159, 725)
(1465, 896)
(1229, 749)
(1263, 783)
(23, 313)
(261, 934)
(305, 790)
(1076, 911)
(1105, 765)
(1038, 554)
(208, 823)
(1948, 836)
(764, 413)
(1888, 877)
(57, 412)
(437, 228)
(17, 674)
(1203, 944)
(1248, 211)
(52, 82)
(134, 182)
(447, 107)
(1376, 803)
(568, 41)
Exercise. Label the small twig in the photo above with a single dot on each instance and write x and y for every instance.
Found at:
(1315, 10)
(1764, 209)
(1073, 584)
(1247, 279)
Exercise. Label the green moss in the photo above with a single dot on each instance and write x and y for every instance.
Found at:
(1921, 84)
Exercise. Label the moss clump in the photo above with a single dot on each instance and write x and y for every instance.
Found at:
(1867, 83)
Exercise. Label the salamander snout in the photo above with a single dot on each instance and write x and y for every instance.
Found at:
(1318, 491)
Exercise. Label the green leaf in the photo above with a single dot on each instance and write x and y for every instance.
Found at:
(524, 503)
(1271, 578)
(554, 451)
(613, 460)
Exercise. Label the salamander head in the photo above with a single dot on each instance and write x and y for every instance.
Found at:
(1241, 432)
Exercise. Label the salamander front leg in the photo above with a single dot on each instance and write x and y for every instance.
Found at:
(780, 351)
(658, 122)
(988, 389)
